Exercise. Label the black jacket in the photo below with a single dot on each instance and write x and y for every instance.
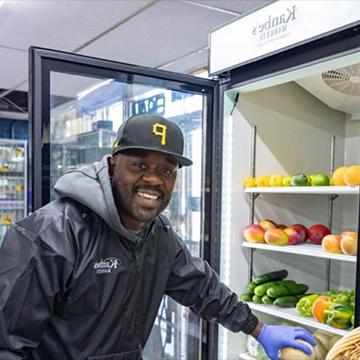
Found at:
(77, 285)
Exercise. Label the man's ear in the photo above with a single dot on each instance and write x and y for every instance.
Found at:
(111, 164)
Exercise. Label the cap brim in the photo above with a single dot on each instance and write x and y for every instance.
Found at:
(183, 161)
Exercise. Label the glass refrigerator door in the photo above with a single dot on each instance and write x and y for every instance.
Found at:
(81, 110)
(13, 183)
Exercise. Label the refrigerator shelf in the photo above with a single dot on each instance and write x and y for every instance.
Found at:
(321, 190)
(302, 249)
(12, 204)
(292, 315)
(246, 356)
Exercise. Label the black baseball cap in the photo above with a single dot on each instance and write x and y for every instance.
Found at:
(151, 132)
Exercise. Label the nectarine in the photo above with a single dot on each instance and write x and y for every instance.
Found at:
(254, 233)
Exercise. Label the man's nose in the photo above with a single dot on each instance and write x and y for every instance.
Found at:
(152, 176)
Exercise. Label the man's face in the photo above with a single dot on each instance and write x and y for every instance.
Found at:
(142, 183)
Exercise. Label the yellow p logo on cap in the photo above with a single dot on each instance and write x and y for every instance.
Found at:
(160, 130)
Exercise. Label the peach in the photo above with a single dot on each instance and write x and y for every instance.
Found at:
(276, 237)
(267, 224)
(349, 243)
(254, 233)
(294, 236)
(331, 244)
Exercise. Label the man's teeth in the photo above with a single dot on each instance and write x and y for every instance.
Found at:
(147, 195)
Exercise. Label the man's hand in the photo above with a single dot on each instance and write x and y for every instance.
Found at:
(274, 338)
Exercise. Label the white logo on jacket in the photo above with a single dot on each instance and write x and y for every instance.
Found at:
(105, 266)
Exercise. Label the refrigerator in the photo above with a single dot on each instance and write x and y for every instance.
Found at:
(263, 113)
(13, 183)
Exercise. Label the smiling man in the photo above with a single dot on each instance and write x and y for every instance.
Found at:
(83, 277)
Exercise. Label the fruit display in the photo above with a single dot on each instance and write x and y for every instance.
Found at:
(345, 243)
(273, 288)
(299, 179)
(334, 308)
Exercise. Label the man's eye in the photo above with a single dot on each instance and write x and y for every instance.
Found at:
(140, 165)
(169, 171)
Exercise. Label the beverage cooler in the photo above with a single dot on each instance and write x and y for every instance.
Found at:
(13, 183)
(290, 178)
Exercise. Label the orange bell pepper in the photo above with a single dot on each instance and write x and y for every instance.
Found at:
(321, 304)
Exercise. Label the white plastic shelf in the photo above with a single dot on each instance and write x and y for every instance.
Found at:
(301, 249)
(246, 356)
(325, 190)
(292, 315)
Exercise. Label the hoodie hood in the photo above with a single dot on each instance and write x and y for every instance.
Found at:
(90, 186)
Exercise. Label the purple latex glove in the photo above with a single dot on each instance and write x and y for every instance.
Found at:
(274, 338)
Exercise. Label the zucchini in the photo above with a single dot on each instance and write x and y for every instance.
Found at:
(257, 299)
(267, 300)
(286, 301)
(287, 289)
(246, 297)
(271, 276)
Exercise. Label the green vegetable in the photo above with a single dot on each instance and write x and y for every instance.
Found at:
(260, 290)
(271, 276)
(267, 300)
(286, 301)
(287, 289)
(304, 306)
(343, 298)
(250, 287)
(339, 315)
(246, 297)
(257, 299)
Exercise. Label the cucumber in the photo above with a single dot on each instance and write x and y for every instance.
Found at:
(267, 300)
(260, 290)
(271, 276)
(257, 299)
(286, 301)
(250, 287)
(246, 297)
(287, 289)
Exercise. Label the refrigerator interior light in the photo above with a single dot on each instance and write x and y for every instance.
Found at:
(2, 3)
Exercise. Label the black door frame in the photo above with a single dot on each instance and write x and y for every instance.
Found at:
(42, 61)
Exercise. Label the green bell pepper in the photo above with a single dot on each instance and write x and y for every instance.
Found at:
(343, 298)
(339, 315)
(304, 305)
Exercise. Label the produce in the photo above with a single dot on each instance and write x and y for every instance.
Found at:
(294, 237)
(260, 290)
(257, 299)
(262, 181)
(271, 276)
(281, 226)
(267, 224)
(249, 182)
(286, 289)
(317, 232)
(254, 234)
(276, 180)
(299, 180)
(286, 180)
(251, 287)
(349, 243)
(304, 306)
(302, 229)
(276, 237)
(331, 243)
(320, 180)
(289, 353)
(286, 301)
(246, 297)
(347, 348)
(352, 175)
(321, 304)
(339, 316)
(267, 300)
(338, 176)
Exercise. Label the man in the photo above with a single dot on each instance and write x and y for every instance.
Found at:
(83, 277)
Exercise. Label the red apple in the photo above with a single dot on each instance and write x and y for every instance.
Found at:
(294, 236)
(302, 230)
(254, 233)
(317, 232)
